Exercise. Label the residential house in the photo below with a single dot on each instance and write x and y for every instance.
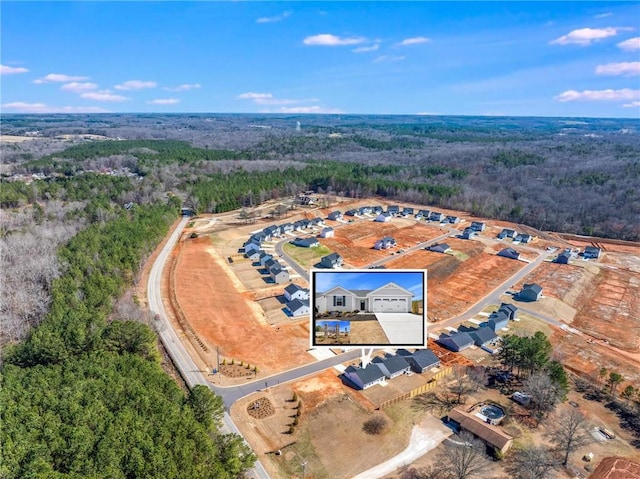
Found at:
(278, 274)
(364, 378)
(333, 260)
(364, 210)
(406, 211)
(510, 310)
(305, 200)
(298, 307)
(250, 247)
(436, 216)
(254, 255)
(509, 253)
(423, 214)
(439, 248)
(393, 209)
(272, 231)
(286, 228)
(377, 209)
(591, 252)
(563, 258)
(264, 257)
(498, 320)
(483, 336)
(469, 233)
(385, 243)
(530, 292)
(524, 238)
(270, 262)
(385, 299)
(392, 365)
(454, 220)
(293, 291)
(478, 225)
(456, 341)
(507, 233)
(327, 232)
(298, 225)
(352, 212)
(335, 215)
(492, 435)
(260, 236)
(316, 222)
(421, 360)
(384, 217)
(306, 242)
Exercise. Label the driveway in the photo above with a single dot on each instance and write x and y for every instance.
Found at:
(403, 328)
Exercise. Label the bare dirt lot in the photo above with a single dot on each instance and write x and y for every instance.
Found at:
(616, 468)
(224, 315)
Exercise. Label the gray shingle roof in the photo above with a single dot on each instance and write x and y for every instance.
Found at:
(292, 288)
(425, 358)
(367, 375)
(297, 304)
(482, 335)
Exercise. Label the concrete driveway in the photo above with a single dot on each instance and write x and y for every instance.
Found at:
(403, 328)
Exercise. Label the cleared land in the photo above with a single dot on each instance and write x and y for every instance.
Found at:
(224, 314)
(306, 257)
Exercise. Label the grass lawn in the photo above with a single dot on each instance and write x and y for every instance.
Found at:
(306, 257)
(459, 255)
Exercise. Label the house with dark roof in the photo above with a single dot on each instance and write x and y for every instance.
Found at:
(327, 232)
(483, 336)
(423, 214)
(335, 215)
(406, 211)
(298, 307)
(392, 365)
(509, 253)
(264, 257)
(286, 228)
(254, 255)
(563, 258)
(454, 220)
(530, 292)
(591, 252)
(509, 309)
(306, 242)
(393, 209)
(293, 291)
(272, 230)
(439, 248)
(436, 216)
(385, 243)
(270, 262)
(316, 222)
(298, 225)
(333, 260)
(456, 341)
(377, 209)
(524, 238)
(384, 217)
(351, 212)
(492, 435)
(468, 233)
(364, 378)
(260, 236)
(250, 247)
(388, 298)
(364, 210)
(278, 275)
(478, 226)
(421, 360)
(507, 233)
(498, 320)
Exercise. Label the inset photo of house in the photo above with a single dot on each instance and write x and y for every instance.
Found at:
(368, 308)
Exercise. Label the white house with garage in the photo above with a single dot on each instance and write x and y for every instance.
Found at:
(298, 307)
(327, 232)
(293, 291)
(389, 298)
(384, 217)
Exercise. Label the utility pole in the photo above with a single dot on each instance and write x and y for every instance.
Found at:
(304, 465)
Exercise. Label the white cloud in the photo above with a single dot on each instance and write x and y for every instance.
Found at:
(603, 15)
(413, 41)
(276, 18)
(60, 78)
(184, 87)
(625, 94)
(585, 36)
(625, 69)
(77, 87)
(135, 85)
(328, 40)
(254, 96)
(103, 95)
(388, 59)
(630, 45)
(269, 99)
(23, 107)
(633, 104)
(164, 101)
(310, 109)
(7, 70)
(372, 48)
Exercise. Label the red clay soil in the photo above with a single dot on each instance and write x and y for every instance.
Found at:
(454, 286)
(225, 317)
(610, 309)
(616, 468)
(420, 259)
(556, 279)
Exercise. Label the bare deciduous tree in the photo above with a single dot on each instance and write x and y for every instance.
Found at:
(531, 462)
(569, 432)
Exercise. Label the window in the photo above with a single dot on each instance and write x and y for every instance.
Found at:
(339, 300)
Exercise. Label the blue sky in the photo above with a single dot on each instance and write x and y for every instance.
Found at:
(481, 58)
(410, 280)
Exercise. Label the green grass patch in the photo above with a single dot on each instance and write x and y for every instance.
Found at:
(306, 257)
(459, 255)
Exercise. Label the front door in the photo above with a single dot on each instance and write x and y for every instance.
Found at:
(361, 305)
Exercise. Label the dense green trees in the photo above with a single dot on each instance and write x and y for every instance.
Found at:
(82, 397)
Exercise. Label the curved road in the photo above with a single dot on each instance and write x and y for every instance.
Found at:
(188, 369)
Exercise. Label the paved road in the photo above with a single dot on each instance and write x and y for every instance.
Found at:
(188, 369)
(292, 264)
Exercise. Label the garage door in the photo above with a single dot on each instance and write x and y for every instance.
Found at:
(389, 305)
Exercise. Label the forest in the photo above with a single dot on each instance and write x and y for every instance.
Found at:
(84, 199)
